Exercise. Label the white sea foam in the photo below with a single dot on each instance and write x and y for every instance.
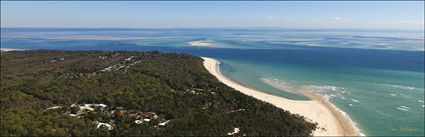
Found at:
(421, 101)
(402, 87)
(346, 116)
(324, 91)
(403, 108)
(393, 95)
(327, 91)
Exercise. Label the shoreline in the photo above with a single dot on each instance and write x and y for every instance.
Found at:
(10, 49)
(317, 110)
(343, 118)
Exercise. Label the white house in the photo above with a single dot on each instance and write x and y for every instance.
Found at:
(138, 121)
(235, 131)
(163, 123)
(100, 124)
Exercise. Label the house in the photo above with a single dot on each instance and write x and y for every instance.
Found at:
(102, 57)
(128, 59)
(163, 123)
(235, 131)
(138, 121)
(100, 124)
(101, 105)
(155, 116)
(135, 63)
(86, 107)
(54, 107)
(241, 109)
(91, 107)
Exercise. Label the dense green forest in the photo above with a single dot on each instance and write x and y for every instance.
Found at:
(40, 90)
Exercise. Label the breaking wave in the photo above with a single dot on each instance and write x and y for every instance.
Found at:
(324, 91)
(402, 87)
(404, 108)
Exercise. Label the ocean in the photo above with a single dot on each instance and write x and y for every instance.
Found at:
(376, 77)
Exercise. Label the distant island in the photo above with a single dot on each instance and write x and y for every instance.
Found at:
(101, 93)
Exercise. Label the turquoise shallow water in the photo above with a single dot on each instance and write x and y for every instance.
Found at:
(376, 77)
(381, 101)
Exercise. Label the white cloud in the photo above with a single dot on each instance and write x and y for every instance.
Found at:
(270, 17)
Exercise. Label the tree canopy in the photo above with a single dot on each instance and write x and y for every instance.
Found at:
(174, 86)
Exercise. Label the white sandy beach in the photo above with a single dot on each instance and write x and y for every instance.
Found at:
(9, 49)
(332, 121)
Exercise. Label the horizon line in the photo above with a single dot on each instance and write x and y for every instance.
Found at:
(243, 28)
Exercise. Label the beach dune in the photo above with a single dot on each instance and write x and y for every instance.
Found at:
(330, 121)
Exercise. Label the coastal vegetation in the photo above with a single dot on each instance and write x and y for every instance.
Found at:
(101, 93)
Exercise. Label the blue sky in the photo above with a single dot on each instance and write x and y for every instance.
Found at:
(166, 14)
